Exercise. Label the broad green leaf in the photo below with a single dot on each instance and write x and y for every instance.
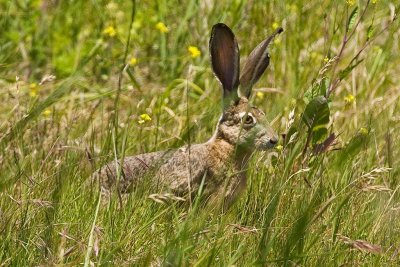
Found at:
(309, 94)
(318, 88)
(319, 134)
(316, 112)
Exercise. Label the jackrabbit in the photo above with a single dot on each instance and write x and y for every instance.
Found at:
(220, 163)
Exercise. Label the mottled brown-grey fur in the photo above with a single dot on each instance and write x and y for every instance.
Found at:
(221, 161)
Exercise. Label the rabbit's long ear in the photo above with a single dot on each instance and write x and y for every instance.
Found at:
(224, 52)
(255, 65)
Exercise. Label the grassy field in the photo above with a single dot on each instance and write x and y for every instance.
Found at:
(83, 82)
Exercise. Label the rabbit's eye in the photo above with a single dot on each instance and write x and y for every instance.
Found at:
(249, 120)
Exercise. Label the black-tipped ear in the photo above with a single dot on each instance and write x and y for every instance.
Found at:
(224, 52)
(255, 65)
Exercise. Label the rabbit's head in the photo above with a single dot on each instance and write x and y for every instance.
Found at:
(241, 124)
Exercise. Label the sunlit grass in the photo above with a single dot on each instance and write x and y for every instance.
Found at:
(340, 207)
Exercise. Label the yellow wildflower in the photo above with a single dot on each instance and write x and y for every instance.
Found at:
(363, 131)
(110, 31)
(47, 112)
(133, 61)
(162, 27)
(194, 51)
(349, 99)
(326, 59)
(279, 147)
(350, 2)
(260, 95)
(143, 118)
(33, 89)
(275, 25)
(374, 1)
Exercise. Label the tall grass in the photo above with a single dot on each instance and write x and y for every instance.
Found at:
(334, 207)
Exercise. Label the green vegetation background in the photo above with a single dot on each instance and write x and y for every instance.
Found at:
(137, 78)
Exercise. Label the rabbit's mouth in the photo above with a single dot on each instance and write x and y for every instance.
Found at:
(267, 143)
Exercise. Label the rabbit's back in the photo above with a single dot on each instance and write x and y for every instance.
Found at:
(177, 170)
(131, 170)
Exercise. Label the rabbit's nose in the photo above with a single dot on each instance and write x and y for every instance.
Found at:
(273, 140)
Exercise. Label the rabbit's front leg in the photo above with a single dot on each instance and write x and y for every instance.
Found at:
(234, 188)
(229, 191)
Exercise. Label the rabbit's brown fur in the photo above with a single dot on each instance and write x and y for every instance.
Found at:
(221, 161)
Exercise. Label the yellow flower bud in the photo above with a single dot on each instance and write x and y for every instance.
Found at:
(110, 31)
(162, 27)
(363, 131)
(47, 112)
(143, 118)
(194, 51)
(260, 95)
(133, 61)
(349, 99)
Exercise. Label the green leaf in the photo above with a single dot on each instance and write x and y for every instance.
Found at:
(316, 113)
(319, 134)
(318, 88)
(370, 32)
(352, 19)
(324, 86)
(309, 94)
